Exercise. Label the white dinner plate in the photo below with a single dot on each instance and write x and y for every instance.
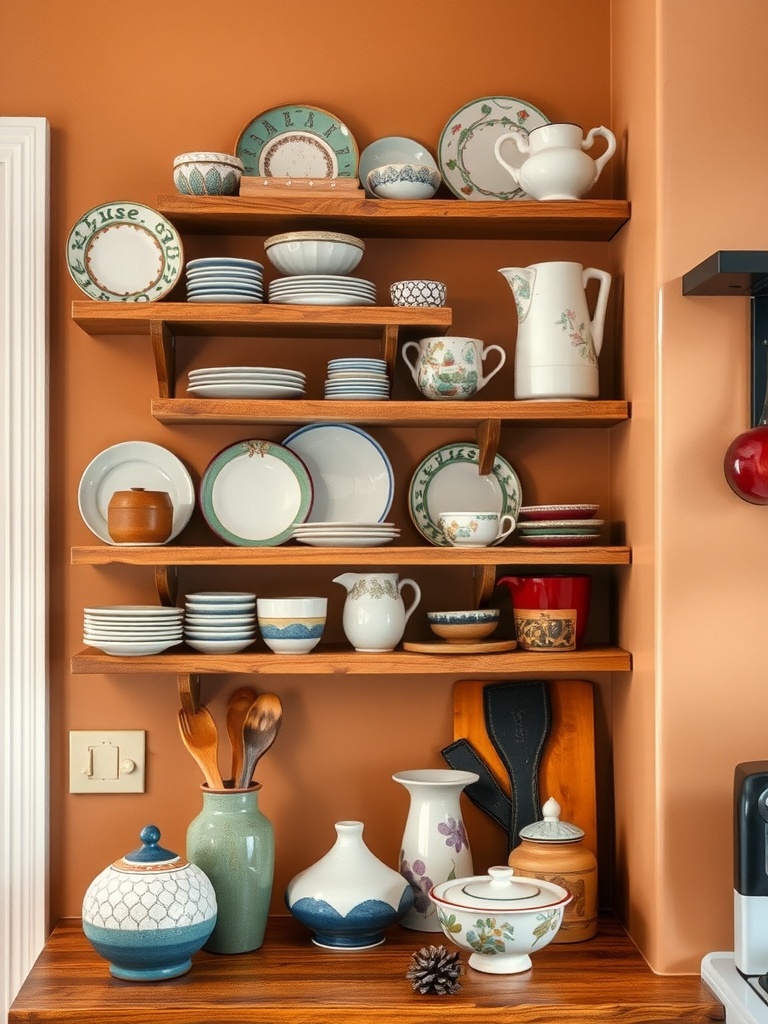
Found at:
(225, 289)
(448, 479)
(254, 492)
(134, 464)
(351, 474)
(220, 597)
(345, 542)
(205, 371)
(132, 648)
(244, 390)
(223, 297)
(123, 252)
(322, 299)
(219, 646)
(236, 262)
(466, 154)
(140, 612)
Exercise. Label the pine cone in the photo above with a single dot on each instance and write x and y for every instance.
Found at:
(435, 971)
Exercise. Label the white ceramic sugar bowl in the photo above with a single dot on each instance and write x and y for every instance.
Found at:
(148, 912)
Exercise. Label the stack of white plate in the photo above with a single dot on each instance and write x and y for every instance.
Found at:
(322, 290)
(220, 621)
(246, 382)
(224, 279)
(132, 629)
(349, 535)
(357, 379)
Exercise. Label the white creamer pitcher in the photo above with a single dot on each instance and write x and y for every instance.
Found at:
(555, 165)
(374, 615)
(557, 342)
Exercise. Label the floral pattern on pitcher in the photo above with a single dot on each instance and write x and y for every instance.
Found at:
(375, 589)
(580, 335)
(522, 292)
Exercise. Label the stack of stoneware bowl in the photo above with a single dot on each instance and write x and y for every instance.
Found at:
(558, 526)
(132, 629)
(357, 379)
(220, 621)
(246, 382)
(317, 265)
(346, 535)
(224, 279)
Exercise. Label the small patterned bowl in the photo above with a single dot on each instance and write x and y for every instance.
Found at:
(404, 181)
(207, 174)
(291, 625)
(418, 293)
(464, 627)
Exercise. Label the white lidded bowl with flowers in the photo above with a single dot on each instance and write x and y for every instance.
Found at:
(500, 918)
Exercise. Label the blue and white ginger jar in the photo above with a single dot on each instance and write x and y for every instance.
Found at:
(149, 912)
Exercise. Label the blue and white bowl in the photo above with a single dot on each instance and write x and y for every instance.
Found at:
(464, 626)
(148, 912)
(291, 625)
(404, 181)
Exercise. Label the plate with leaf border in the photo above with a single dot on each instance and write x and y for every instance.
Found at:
(448, 478)
(465, 151)
(124, 252)
(254, 492)
(297, 141)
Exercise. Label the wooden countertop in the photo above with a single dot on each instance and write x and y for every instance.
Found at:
(290, 980)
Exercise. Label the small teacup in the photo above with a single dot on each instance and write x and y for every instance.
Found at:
(475, 529)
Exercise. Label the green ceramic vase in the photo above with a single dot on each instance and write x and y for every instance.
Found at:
(233, 843)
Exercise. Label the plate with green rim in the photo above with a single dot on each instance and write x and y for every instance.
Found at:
(124, 252)
(449, 478)
(465, 152)
(297, 141)
(254, 492)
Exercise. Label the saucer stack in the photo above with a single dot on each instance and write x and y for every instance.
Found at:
(246, 382)
(557, 526)
(345, 535)
(357, 379)
(322, 290)
(132, 629)
(220, 621)
(224, 279)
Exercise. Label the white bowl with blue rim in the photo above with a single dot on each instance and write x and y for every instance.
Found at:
(464, 626)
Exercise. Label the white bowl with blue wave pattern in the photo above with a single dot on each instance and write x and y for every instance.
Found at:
(291, 625)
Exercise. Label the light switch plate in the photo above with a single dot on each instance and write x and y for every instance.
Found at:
(107, 761)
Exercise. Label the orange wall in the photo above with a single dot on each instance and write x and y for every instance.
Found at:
(125, 90)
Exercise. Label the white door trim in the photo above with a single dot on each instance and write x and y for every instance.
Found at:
(24, 244)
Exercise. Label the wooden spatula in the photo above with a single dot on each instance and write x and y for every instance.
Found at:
(237, 710)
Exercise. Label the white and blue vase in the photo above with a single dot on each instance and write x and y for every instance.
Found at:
(148, 912)
(348, 897)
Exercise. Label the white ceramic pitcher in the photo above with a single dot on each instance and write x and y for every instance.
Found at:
(375, 615)
(557, 342)
(556, 166)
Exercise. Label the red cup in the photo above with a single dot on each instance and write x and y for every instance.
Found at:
(556, 592)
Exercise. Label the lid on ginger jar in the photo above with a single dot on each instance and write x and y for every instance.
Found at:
(150, 856)
(550, 829)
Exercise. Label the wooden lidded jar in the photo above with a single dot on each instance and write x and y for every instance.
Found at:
(140, 517)
(554, 851)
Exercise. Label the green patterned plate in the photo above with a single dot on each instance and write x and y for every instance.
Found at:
(297, 142)
(254, 492)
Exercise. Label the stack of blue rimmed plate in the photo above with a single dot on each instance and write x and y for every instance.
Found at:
(322, 290)
(557, 526)
(220, 621)
(357, 379)
(224, 279)
(132, 629)
(246, 382)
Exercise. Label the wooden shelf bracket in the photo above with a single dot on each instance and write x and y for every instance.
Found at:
(167, 584)
(189, 691)
(488, 437)
(164, 351)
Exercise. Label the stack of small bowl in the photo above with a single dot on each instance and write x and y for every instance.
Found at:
(132, 629)
(357, 379)
(224, 279)
(220, 621)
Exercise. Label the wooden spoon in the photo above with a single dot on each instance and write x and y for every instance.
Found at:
(237, 709)
(198, 731)
(262, 724)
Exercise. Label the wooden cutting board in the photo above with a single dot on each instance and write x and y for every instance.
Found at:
(567, 769)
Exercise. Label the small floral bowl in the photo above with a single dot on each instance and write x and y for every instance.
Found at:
(207, 174)
(404, 181)
(500, 918)
(463, 627)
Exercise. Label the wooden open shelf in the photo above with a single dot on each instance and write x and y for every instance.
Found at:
(344, 661)
(593, 220)
(290, 981)
(305, 554)
(421, 413)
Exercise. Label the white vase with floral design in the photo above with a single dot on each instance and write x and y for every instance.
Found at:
(435, 847)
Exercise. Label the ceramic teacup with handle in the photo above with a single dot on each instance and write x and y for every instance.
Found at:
(475, 529)
(448, 367)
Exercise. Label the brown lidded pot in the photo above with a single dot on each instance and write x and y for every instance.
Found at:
(554, 851)
(140, 517)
